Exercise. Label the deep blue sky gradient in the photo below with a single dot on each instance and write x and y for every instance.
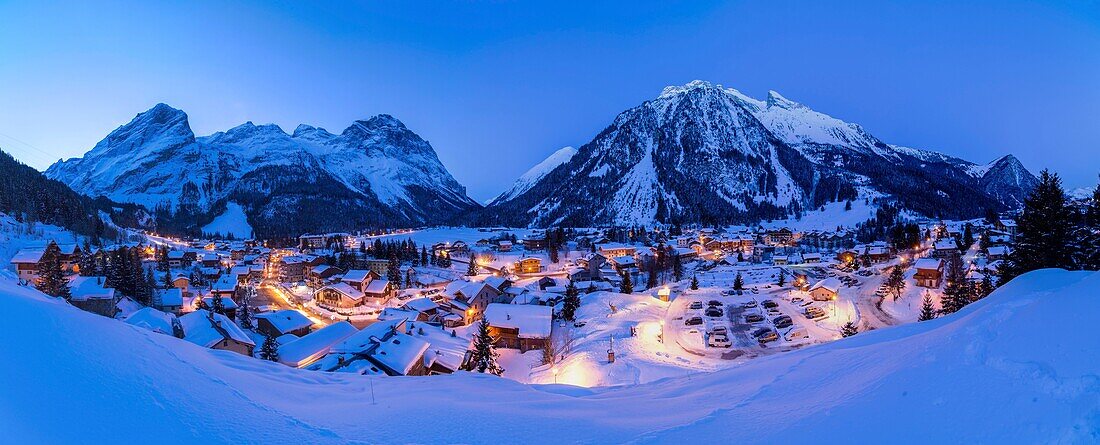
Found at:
(497, 86)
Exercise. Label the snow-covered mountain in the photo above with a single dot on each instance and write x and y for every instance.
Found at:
(1016, 367)
(532, 176)
(704, 153)
(375, 173)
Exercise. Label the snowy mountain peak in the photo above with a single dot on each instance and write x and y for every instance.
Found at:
(533, 175)
(777, 100)
(674, 90)
(311, 133)
(382, 121)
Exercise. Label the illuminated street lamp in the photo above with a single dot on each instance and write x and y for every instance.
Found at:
(554, 370)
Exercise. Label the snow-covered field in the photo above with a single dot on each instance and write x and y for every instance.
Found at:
(1017, 367)
(231, 223)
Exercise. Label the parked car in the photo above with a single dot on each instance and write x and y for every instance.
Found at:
(694, 321)
(713, 312)
(795, 334)
(769, 304)
(760, 332)
(719, 341)
(754, 318)
(579, 324)
(783, 321)
(768, 336)
(696, 305)
(719, 330)
(797, 300)
(749, 304)
(714, 303)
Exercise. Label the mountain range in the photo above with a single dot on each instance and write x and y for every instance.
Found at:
(696, 153)
(375, 173)
(704, 153)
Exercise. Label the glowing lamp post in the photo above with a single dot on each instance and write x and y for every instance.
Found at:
(554, 370)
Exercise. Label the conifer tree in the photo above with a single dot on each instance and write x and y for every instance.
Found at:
(217, 304)
(896, 281)
(626, 286)
(270, 349)
(927, 311)
(956, 294)
(484, 357)
(244, 313)
(393, 271)
(738, 282)
(51, 277)
(1089, 258)
(571, 302)
(694, 282)
(849, 329)
(471, 267)
(782, 278)
(1043, 237)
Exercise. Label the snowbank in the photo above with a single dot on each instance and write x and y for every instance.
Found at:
(1017, 367)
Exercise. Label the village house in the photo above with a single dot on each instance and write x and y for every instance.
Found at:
(612, 250)
(168, 300)
(338, 295)
(534, 241)
(379, 267)
(528, 265)
(504, 246)
(378, 291)
(92, 295)
(282, 322)
(825, 290)
(155, 321)
(26, 264)
(781, 237)
(321, 275)
(468, 299)
(523, 327)
(945, 248)
(215, 331)
(310, 348)
(359, 278)
(929, 272)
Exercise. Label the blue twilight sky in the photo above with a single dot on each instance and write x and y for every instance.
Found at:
(497, 86)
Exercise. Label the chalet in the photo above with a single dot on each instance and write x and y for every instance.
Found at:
(339, 295)
(528, 265)
(215, 331)
(155, 321)
(929, 272)
(398, 347)
(425, 308)
(945, 248)
(780, 260)
(469, 299)
(877, 253)
(229, 306)
(358, 278)
(534, 241)
(26, 263)
(504, 246)
(282, 322)
(995, 253)
(310, 348)
(225, 287)
(182, 283)
(378, 291)
(321, 241)
(623, 264)
(825, 290)
(459, 247)
(321, 275)
(811, 257)
(612, 250)
(781, 237)
(847, 256)
(292, 269)
(168, 300)
(91, 294)
(523, 327)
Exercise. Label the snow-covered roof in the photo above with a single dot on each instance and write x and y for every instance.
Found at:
(198, 328)
(928, 263)
(90, 288)
(356, 275)
(28, 256)
(346, 289)
(443, 349)
(831, 284)
(152, 320)
(423, 304)
(175, 254)
(225, 284)
(172, 296)
(361, 341)
(399, 352)
(532, 321)
(286, 320)
(376, 286)
(946, 244)
(227, 302)
(309, 348)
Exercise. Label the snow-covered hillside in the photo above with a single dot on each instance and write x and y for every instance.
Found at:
(532, 176)
(377, 171)
(704, 153)
(1017, 367)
